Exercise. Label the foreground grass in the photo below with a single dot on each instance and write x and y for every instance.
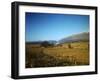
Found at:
(37, 56)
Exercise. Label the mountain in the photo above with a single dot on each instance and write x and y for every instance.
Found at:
(76, 37)
(34, 42)
(52, 41)
(39, 42)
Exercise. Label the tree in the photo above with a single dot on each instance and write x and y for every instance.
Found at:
(46, 44)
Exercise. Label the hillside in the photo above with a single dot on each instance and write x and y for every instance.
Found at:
(76, 37)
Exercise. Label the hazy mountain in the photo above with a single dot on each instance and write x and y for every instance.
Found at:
(73, 38)
(52, 41)
(34, 42)
(39, 42)
(76, 37)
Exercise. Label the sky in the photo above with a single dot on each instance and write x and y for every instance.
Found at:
(47, 26)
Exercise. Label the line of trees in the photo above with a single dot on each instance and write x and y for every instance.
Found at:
(47, 44)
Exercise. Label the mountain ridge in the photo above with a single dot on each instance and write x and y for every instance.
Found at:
(84, 36)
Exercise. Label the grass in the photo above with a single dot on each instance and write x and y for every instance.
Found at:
(38, 56)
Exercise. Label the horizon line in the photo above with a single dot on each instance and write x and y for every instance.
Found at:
(56, 40)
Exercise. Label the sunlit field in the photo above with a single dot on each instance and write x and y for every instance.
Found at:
(66, 54)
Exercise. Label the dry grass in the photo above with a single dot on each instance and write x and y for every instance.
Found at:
(37, 56)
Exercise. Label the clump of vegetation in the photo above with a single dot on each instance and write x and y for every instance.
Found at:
(46, 44)
(69, 46)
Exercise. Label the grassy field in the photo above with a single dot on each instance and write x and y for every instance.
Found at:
(39, 56)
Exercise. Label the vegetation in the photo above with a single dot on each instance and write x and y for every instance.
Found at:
(66, 54)
(46, 44)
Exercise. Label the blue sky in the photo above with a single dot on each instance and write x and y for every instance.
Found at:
(47, 26)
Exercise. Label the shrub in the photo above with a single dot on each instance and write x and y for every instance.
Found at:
(46, 44)
(69, 46)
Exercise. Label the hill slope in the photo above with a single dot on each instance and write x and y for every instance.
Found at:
(77, 37)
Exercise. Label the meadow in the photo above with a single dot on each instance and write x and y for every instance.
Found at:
(77, 54)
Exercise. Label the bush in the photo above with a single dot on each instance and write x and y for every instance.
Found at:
(69, 46)
(46, 44)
